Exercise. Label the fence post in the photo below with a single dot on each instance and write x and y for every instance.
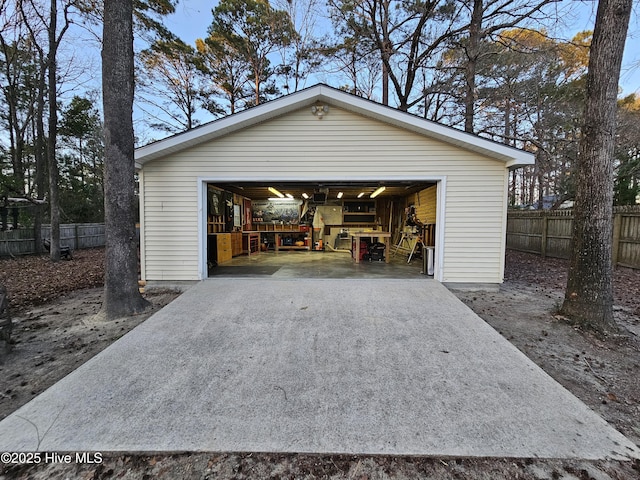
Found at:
(77, 246)
(615, 244)
(543, 235)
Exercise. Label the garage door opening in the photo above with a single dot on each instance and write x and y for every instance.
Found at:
(341, 229)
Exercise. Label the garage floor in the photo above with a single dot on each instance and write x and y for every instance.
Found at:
(377, 366)
(306, 264)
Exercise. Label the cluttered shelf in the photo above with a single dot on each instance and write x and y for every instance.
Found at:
(292, 240)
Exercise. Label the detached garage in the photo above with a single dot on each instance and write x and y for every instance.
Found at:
(345, 167)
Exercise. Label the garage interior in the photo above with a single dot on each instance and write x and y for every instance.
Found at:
(325, 229)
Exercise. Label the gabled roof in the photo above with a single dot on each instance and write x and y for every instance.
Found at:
(323, 93)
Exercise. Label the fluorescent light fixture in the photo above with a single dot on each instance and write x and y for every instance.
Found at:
(361, 194)
(377, 192)
(339, 195)
(305, 196)
(289, 195)
(275, 192)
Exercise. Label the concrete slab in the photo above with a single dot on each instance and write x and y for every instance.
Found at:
(381, 366)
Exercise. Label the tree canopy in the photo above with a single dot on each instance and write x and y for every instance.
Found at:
(250, 31)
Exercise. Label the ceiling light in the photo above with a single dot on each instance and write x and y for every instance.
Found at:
(275, 192)
(339, 195)
(305, 196)
(289, 195)
(361, 194)
(377, 192)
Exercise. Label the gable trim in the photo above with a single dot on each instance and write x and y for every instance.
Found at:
(512, 157)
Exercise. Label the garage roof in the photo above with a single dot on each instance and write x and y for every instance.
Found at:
(512, 157)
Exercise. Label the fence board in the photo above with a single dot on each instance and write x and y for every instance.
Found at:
(629, 242)
(75, 235)
(18, 242)
(548, 233)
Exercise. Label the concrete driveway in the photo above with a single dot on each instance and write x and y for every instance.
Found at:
(364, 366)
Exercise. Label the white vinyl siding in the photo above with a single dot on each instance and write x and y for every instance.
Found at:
(298, 146)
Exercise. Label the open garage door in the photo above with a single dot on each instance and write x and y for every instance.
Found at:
(250, 227)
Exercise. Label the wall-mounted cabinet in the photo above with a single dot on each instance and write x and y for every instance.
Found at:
(359, 211)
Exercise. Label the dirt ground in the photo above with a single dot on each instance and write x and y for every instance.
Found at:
(55, 330)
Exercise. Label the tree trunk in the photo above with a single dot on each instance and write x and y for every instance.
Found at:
(589, 295)
(473, 53)
(40, 157)
(508, 136)
(12, 97)
(539, 177)
(257, 88)
(121, 295)
(387, 50)
(385, 84)
(52, 162)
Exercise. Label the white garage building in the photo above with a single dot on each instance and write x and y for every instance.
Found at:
(321, 141)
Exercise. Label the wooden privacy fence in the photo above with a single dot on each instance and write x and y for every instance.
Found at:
(548, 233)
(74, 235)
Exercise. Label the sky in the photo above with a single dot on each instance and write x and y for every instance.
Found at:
(193, 17)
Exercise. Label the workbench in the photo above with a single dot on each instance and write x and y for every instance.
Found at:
(287, 233)
(355, 243)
